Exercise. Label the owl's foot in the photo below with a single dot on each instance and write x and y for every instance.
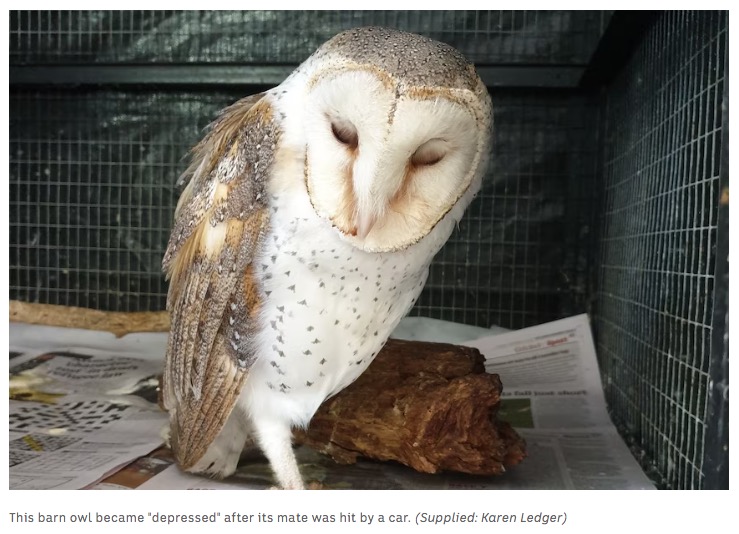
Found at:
(222, 456)
(218, 462)
(310, 486)
(275, 439)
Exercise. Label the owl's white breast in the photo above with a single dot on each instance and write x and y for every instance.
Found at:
(328, 307)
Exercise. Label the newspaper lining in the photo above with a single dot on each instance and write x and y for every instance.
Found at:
(82, 404)
(103, 415)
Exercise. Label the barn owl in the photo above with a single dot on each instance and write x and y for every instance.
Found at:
(304, 234)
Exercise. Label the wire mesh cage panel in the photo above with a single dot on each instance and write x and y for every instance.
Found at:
(662, 164)
(600, 198)
(290, 36)
(93, 192)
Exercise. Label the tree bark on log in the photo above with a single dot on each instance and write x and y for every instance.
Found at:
(430, 406)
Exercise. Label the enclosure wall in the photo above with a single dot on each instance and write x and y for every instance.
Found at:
(657, 249)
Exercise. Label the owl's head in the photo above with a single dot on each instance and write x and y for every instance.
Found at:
(397, 130)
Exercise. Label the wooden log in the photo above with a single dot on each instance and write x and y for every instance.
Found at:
(430, 406)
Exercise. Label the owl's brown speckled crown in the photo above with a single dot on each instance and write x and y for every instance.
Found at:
(414, 59)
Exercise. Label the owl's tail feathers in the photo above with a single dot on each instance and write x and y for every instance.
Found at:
(275, 440)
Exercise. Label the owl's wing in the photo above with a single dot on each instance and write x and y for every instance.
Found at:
(220, 220)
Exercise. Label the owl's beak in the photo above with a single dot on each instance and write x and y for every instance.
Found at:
(365, 222)
(371, 198)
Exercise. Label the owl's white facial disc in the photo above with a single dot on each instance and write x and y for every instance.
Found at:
(386, 162)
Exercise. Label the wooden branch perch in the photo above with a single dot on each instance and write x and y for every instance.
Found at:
(430, 406)
(119, 323)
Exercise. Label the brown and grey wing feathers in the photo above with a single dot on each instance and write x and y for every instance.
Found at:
(213, 297)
